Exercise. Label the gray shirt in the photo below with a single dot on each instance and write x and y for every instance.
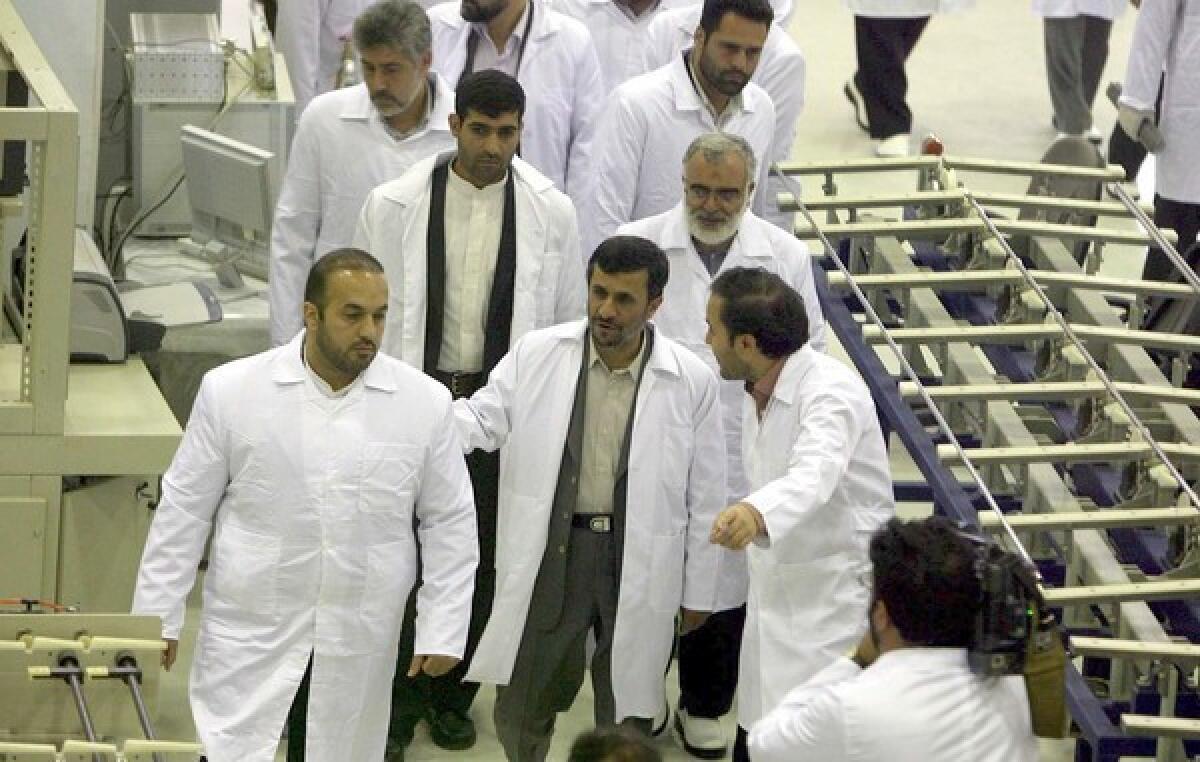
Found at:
(610, 396)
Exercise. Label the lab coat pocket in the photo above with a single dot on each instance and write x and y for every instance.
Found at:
(390, 571)
(387, 477)
(666, 572)
(825, 600)
(243, 577)
(546, 293)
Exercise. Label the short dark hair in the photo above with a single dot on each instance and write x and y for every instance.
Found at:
(924, 573)
(612, 745)
(751, 10)
(763, 305)
(631, 253)
(489, 92)
(338, 259)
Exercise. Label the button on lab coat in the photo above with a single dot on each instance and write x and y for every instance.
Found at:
(313, 551)
(911, 705)
(819, 471)
(549, 286)
(342, 150)
(1168, 34)
(309, 35)
(675, 486)
(641, 137)
(780, 71)
(560, 74)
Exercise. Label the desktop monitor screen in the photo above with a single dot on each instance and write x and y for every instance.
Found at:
(229, 187)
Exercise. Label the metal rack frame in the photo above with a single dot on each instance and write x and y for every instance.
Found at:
(960, 296)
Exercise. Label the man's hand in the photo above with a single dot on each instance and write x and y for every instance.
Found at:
(168, 655)
(690, 620)
(1140, 126)
(866, 653)
(736, 526)
(434, 665)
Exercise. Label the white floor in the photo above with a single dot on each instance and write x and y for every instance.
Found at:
(976, 80)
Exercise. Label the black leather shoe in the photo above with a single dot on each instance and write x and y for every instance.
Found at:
(450, 730)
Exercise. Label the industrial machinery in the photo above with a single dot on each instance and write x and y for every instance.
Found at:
(1016, 369)
(90, 679)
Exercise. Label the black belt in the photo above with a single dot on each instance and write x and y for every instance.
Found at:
(600, 523)
(459, 384)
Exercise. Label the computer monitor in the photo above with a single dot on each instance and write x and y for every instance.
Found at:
(232, 200)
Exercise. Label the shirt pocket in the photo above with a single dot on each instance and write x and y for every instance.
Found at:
(243, 578)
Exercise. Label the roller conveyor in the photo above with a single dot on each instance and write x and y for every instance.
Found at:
(1027, 380)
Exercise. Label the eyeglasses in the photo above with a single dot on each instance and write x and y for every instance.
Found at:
(701, 193)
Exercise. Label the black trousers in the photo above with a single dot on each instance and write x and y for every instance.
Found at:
(412, 697)
(1185, 220)
(708, 664)
(883, 46)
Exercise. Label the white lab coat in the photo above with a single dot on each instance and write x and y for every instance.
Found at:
(342, 150)
(819, 470)
(1168, 35)
(313, 551)
(619, 39)
(549, 286)
(309, 34)
(780, 71)
(675, 486)
(1057, 9)
(911, 705)
(681, 317)
(905, 8)
(560, 74)
(641, 137)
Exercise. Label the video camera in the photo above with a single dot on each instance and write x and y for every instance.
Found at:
(1015, 634)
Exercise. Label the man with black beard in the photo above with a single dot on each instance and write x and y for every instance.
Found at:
(710, 231)
(553, 58)
(480, 248)
(648, 122)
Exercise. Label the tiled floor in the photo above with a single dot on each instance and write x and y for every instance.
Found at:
(977, 80)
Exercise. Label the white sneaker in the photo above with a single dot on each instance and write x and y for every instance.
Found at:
(700, 736)
(896, 145)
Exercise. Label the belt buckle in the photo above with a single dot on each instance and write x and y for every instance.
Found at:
(600, 523)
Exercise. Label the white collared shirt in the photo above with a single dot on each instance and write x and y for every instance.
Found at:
(608, 402)
(486, 54)
(474, 219)
(732, 106)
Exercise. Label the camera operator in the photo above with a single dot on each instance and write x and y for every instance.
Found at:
(907, 694)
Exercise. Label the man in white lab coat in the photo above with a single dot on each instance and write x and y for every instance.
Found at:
(885, 33)
(310, 34)
(708, 232)
(619, 30)
(612, 474)
(649, 121)
(907, 694)
(780, 72)
(553, 58)
(1166, 42)
(818, 470)
(309, 464)
(348, 142)
(480, 248)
